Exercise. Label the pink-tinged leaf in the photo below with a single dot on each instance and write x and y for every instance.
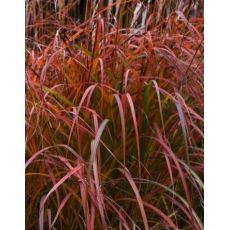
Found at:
(138, 197)
(94, 145)
(46, 66)
(183, 209)
(163, 128)
(61, 207)
(88, 91)
(41, 214)
(35, 155)
(91, 215)
(100, 198)
(197, 129)
(122, 117)
(45, 198)
(169, 168)
(81, 180)
(50, 147)
(135, 79)
(136, 131)
(96, 126)
(49, 218)
(181, 173)
(159, 103)
(82, 185)
(123, 222)
(93, 163)
(190, 26)
(53, 179)
(184, 129)
(190, 110)
(64, 160)
(158, 212)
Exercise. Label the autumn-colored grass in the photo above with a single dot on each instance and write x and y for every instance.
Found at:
(114, 115)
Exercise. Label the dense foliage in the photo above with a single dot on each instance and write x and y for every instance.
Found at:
(114, 114)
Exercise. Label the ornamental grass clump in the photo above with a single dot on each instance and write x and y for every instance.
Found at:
(114, 114)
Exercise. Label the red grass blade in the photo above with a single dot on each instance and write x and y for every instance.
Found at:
(45, 198)
(122, 117)
(158, 212)
(184, 129)
(41, 214)
(61, 207)
(138, 197)
(93, 162)
(136, 131)
(181, 173)
(88, 91)
(35, 155)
